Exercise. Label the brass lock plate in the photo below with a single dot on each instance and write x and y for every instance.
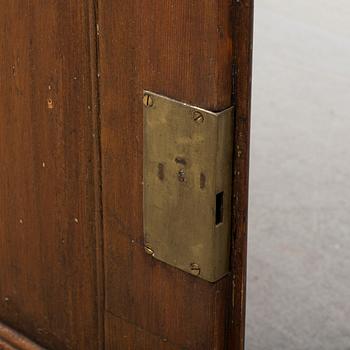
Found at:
(187, 186)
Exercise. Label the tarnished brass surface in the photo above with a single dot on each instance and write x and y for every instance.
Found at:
(187, 186)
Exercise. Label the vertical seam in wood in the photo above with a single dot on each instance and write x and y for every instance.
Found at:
(94, 69)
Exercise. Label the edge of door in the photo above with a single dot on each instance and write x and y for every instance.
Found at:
(242, 19)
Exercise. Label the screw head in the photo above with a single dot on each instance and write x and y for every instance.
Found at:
(149, 250)
(147, 100)
(195, 269)
(198, 117)
(181, 175)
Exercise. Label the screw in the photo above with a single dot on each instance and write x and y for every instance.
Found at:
(147, 100)
(195, 269)
(149, 250)
(181, 175)
(198, 117)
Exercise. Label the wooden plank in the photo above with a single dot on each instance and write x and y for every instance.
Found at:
(48, 216)
(181, 49)
(243, 38)
(122, 335)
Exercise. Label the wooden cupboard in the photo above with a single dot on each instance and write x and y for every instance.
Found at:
(73, 270)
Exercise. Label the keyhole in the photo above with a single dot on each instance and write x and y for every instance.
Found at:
(219, 212)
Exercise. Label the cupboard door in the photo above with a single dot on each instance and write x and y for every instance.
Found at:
(183, 50)
(74, 270)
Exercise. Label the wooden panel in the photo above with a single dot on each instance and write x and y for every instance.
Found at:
(121, 335)
(181, 49)
(243, 39)
(47, 178)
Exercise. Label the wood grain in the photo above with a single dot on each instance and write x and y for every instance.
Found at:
(52, 281)
(243, 39)
(48, 220)
(181, 49)
(122, 335)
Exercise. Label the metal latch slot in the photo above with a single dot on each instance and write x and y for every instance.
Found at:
(187, 185)
(219, 210)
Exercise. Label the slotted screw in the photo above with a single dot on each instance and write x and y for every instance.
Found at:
(198, 117)
(195, 269)
(147, 100)
(149, 250)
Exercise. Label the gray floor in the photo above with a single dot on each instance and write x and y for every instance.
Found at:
(299, 243)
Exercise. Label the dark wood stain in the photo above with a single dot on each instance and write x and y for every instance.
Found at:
(48, 185)
(71, 116)
(132, 337)
(243, 39)
(173, 48)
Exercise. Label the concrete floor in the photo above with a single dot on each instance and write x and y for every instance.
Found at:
(299, 238)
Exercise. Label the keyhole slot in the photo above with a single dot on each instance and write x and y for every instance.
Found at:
(219, 212)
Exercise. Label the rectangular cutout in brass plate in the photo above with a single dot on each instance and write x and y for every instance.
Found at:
(187, 186)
